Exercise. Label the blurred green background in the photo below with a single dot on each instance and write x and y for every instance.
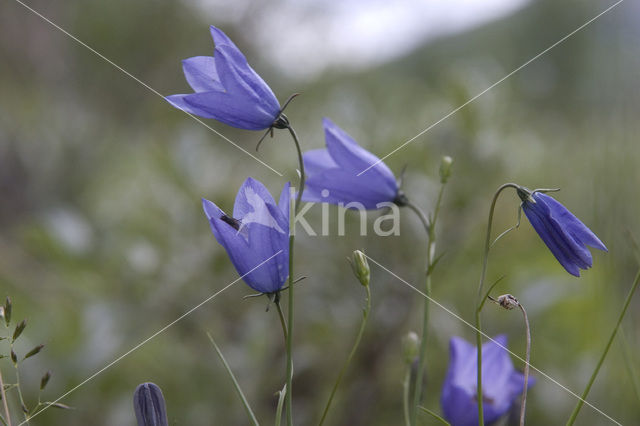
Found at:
(103, 240)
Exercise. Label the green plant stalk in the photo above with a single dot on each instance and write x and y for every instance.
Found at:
(406, 384)
(283, 322)
(281, 397)
(585, 393)
(245, 403)
(365, 316)
(6, 421)
(429, 227)
(293, 209)
(480, 300)
(23, 406)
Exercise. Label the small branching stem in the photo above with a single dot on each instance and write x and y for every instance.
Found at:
(480, 299)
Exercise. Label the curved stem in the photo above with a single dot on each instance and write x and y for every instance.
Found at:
(293, 209)
(283, 322)
(365, 316)
(478, 325)
(576, 410)
(429, 227)
(523, 404)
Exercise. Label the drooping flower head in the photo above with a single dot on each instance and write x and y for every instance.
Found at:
(227, 88)
(565, 235)
(501, 383)
(333, 173)
(256, 234)
(149, 406)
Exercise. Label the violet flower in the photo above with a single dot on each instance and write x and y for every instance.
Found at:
(257, 232)
(149, 405)
(564, 234)
(501, 383)
(228, 89)
(333, 173)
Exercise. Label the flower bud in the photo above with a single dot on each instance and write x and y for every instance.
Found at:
(34, 351)
(7, 311)
(507, 301)
(445, 168)
(19, 329)
(360, 267)
(149, 405)
(410, 347)
(45, 380)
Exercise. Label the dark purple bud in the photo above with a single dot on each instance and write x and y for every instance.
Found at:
(19, 329)
(45, 380)
(34, 351)
(7, 311)
(14, 357)
(149, 405)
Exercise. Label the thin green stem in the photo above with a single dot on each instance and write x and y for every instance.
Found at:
(429, 227)
(4, 402)
(523, 403)
(283, 322)
(281, 396)
(406, 384)
(628, 360)
(434, 415)
(479, 304)
(293, 209)
(576, 410)
(365, 316)
(23, 405)
(245, 402)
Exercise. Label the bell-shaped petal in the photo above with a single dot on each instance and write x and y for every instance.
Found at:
(149, 406)
(227, 88)
(256, 238)
(564, 234)
(501, 383)
(333, 173)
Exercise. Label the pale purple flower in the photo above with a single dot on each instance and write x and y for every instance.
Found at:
(256, 234)
(501, 383)
(227, 88)
(332, 173)
(565, 235)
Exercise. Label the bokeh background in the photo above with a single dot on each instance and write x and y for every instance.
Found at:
(103, 241)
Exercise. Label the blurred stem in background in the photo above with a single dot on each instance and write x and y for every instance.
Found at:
(429, 227)
(361, 270)
(293, 209)
(236, 385)
(576, 410)
(481, 298)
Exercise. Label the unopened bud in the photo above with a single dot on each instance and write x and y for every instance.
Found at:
(149, 405)
(14, 357)
(507, 301)
(34, 351)
(410, 347)
(7, 311)
(360, 267)
(19, 329)
(45, 380)
(445, 168)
